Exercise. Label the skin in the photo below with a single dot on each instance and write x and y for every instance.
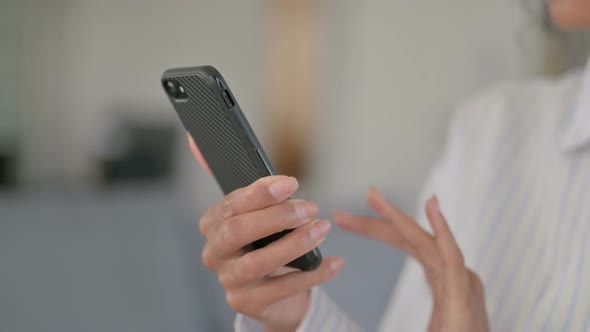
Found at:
(257, 284)
(570, 15)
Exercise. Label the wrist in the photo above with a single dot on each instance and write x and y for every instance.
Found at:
(291, 315)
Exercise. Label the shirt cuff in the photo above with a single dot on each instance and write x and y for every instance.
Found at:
(323, 315)
(246, 324)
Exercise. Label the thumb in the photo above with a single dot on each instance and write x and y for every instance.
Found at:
(198, 155)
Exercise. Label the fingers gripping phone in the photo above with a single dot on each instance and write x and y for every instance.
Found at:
(210, 113)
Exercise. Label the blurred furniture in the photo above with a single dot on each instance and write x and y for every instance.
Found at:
(294, 77)
(136, 151)
(7, 169)
(128, 259)
(124, 259)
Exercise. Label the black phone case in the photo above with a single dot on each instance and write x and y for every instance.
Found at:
(210, 113)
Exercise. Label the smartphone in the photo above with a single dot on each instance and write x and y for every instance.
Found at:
(210, 113)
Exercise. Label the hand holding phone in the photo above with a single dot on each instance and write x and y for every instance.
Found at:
(256, 283)
(256, 211)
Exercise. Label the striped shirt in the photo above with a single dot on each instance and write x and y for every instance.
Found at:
(514, 184)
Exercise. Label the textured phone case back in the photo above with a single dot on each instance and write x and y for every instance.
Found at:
(234, 155)
(216, 137)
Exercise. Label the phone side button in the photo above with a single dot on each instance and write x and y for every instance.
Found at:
(227, 99)
(241, 119)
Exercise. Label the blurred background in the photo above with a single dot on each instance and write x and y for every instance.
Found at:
(100, 197)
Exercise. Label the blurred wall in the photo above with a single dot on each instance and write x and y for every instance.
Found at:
(395, 84)
(11, 23)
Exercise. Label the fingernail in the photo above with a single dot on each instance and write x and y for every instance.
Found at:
(320, 229)
(336, 264)
(306, 209)
(283, 187)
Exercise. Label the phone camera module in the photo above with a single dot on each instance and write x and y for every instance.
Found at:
(175, 89)
(171, 88)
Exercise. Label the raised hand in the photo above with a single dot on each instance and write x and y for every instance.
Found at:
(457, 291)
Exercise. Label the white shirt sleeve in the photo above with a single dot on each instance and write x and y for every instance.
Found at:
(323, 315)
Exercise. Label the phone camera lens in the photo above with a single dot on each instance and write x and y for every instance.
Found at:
(171, 88)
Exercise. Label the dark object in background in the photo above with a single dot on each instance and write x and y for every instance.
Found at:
(7, 170)
(139, 152)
